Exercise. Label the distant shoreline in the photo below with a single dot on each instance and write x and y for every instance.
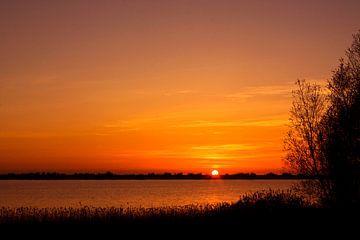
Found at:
(150, 176)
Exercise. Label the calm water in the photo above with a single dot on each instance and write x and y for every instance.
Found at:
(134, 193)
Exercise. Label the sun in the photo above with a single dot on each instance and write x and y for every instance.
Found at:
(215, 173)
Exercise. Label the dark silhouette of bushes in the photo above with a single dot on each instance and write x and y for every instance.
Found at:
(275, 200)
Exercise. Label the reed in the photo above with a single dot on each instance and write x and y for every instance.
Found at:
(265, 201)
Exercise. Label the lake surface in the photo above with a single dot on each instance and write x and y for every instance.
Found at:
(129, 193)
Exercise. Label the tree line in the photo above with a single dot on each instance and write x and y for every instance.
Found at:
(149, 176)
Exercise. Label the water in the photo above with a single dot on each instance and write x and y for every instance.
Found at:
(129, 193)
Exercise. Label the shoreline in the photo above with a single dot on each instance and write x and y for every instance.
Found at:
(150, 176)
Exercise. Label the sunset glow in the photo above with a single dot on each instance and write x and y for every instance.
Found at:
(159, 86)
(215, 173)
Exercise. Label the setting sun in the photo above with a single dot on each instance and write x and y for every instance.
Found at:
(215, 172)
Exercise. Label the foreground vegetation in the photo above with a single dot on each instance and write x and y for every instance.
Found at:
(258, 214)
(259, 202)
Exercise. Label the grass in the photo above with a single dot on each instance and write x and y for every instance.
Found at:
(267, 213)
(266, 201)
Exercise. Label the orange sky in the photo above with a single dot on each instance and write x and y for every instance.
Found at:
(154, 86)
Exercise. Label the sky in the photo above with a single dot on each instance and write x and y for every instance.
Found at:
(138, 86)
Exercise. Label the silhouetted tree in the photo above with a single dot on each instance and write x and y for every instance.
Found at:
(324, 135)
(341, 124)
(304, 138)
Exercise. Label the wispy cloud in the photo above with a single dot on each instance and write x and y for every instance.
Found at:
(259, 91)
(226, 147)
(164, 92)
(201, 123)
(272, 122)
(271, 90)
(122, 127)
(241, 94)
(191, 119)
(172, 123)
(222, 151)
(136, 123)
(141, 124)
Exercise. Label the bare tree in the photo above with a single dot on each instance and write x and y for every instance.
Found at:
(304, 138)
(323, 140)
